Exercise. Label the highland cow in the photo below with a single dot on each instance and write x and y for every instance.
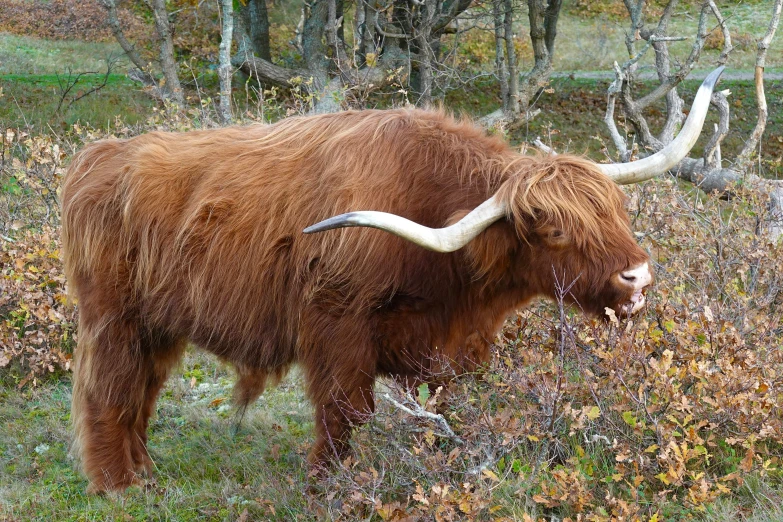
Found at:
(170, 238)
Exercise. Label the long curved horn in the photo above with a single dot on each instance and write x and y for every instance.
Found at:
(446, 239)
(674, 152)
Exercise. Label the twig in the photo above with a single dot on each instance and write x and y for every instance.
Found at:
(421, 413)
(489, 461)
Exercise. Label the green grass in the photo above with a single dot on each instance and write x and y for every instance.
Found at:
(35, 56)
(34, 74)
(756, 499)
(203, 471)
(33, 100)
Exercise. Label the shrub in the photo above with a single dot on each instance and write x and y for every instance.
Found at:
(37, 326)
(64, 20)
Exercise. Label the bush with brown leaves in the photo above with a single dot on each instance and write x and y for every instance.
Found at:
(37, 325)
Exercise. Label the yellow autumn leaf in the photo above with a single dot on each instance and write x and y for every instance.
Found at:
(490, 474)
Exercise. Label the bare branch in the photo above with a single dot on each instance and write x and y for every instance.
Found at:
(333, 24)
(70, 82)
(712, 155)
(544, 147)
(388, 34)
(727, 47)
(267, 72)
(745, 156)
(500, 56)
(614, 88)
(119, 35)
(511, 59)
(417, 411)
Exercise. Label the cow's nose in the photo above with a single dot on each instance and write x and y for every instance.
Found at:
(637, 277)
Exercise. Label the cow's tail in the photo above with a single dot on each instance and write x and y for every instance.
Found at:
(90, 211)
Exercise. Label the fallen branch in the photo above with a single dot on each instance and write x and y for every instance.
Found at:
(543, 147)
(418, 411)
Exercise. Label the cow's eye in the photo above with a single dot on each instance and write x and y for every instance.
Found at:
(556, 237)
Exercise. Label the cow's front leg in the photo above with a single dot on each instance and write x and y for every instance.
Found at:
(341, 402)
(340, 385)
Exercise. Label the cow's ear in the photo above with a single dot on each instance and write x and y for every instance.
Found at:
(492, 250)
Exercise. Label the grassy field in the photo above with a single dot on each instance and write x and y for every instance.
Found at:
(594, 43)
(27, 55)
(204, 470)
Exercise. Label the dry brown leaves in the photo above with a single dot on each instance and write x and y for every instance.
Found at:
(36, 323)
(65, 20)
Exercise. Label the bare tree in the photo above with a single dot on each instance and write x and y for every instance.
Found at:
(167, 61)
(517, 93)
(171, 89)
(393, 39)
(707, 172)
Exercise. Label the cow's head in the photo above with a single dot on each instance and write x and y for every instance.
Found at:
(575, 236)
(569, 213)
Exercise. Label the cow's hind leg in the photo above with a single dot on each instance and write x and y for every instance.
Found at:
(116, 380)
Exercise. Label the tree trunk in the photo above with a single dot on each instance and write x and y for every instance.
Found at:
(313, 46)
(500, 57)
(745, 156)
(225, 69)
(426, 54)
(252, 16)
(511, 58)
(141, 72)
(167, 61)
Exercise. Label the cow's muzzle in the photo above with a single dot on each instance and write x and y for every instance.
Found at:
(637, 278)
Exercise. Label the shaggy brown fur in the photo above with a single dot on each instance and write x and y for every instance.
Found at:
(170, 238)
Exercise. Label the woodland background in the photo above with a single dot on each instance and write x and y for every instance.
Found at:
(674, 415)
